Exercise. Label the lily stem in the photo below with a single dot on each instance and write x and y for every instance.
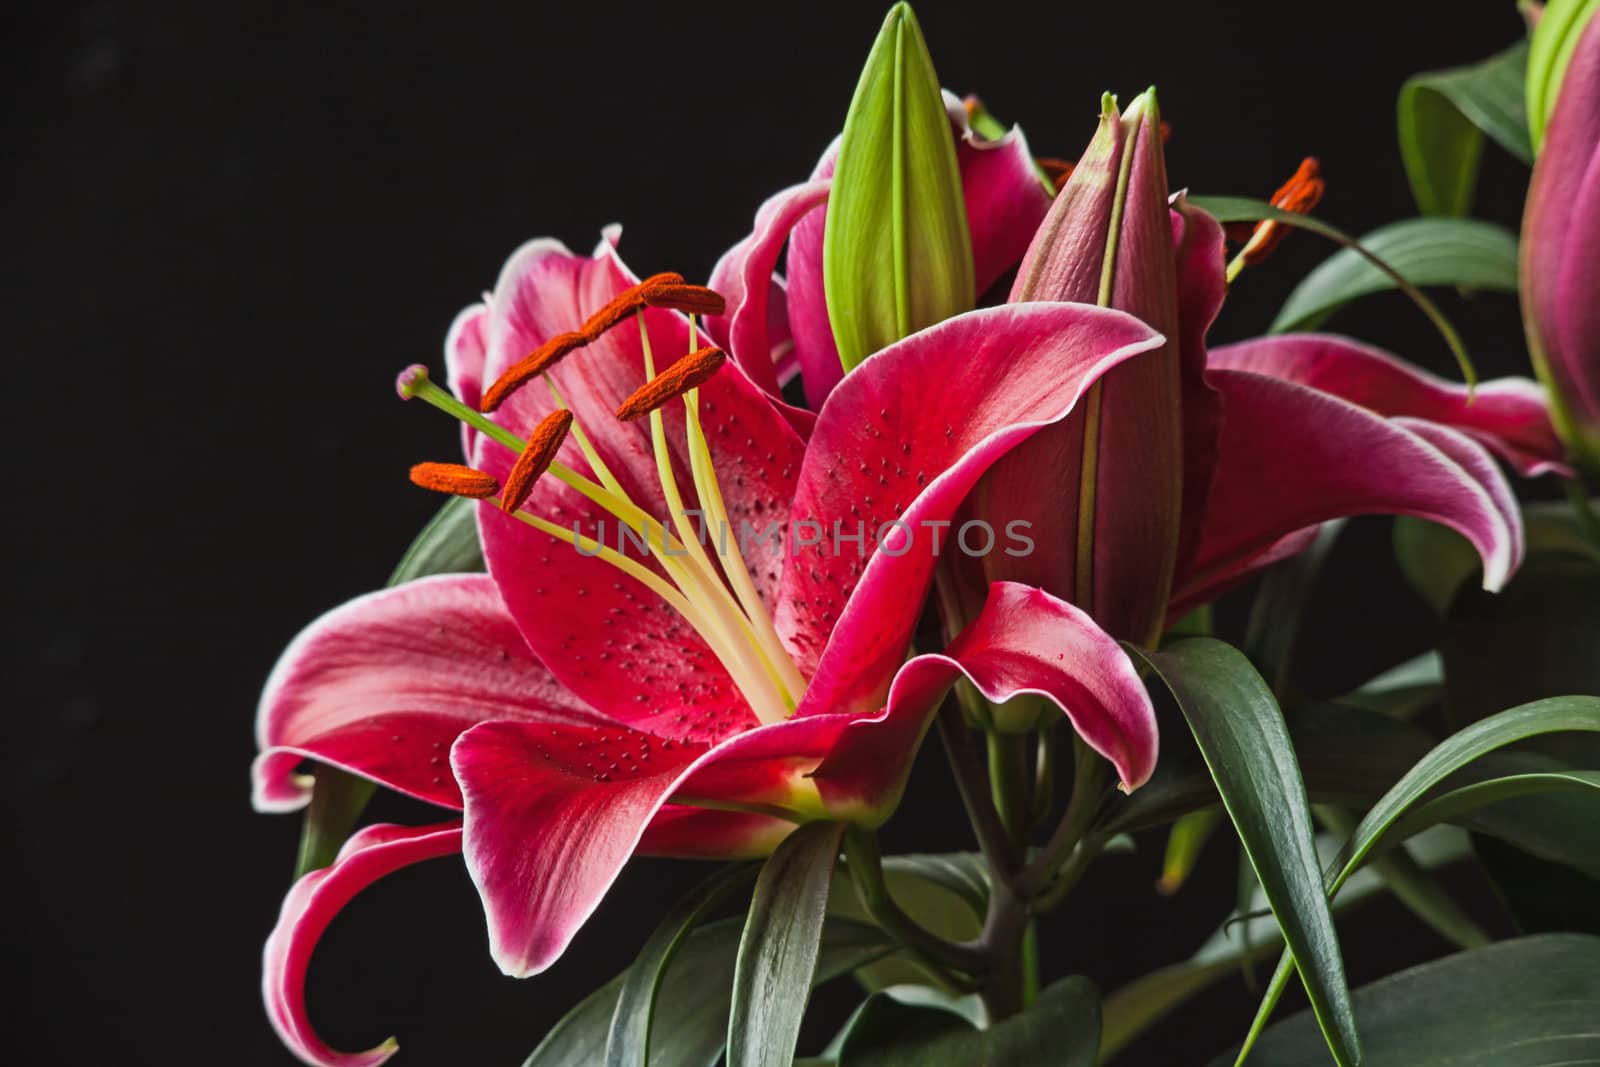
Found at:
(993, 841)
(864, 861)
(1579, 497)
(1088, 786)
(1008, 779)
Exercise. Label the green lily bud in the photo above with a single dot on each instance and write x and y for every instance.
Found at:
(1555, 35)
(896, 252)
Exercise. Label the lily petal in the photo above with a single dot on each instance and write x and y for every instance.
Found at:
(311, 904)
(1024, 642)
(465, 351)
(1201, 252)
(552, 814)
(904, 439)
(1509, 416)
(745, 277)
(382, 686)
(682, 832)
(1005, 202)
(1291, 457)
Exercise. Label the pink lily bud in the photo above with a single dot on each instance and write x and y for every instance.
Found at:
(1560, 274)
(1103, 488)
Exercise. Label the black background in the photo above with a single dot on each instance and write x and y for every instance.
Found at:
(226, 226)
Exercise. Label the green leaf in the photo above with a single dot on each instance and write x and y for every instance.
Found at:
(1185, 842)
(1280, 605)
(1435, 560)
(1458, 252)
(778, 951)
(1443, 116)
(1413, 886)
(1132, 1009)
(1401, 691)
(447, 545)
(1554, 39)
(629, 1042)
(896, 252)
(1061, 1028)
(1531, 1002)
(946, 894)
(337, 800)
(693, 1001)
(1241, 734)
(1348, 756)
(1554, 715)
(1245, 209)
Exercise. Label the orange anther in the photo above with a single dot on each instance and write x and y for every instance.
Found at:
(454, 479)
(688, 372)
(537, 455)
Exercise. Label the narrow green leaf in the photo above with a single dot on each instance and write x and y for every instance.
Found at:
(693, 1001)
(1061, 1028)
(946, 894)
(1241, 734)
(1436, 251)
(1443, 116)
(1280, 605)
(1185, 842)
(778, 951)
(896, 252)
(629, 1042)
(1245, 209)
(1132, 1009)
(448, 544)
(337, 800)
(1414, 887)
(1401, 691)
(1436, 560)
(1555, 715)
(1530, 1002)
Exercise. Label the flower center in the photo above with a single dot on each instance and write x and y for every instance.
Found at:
(715, 596)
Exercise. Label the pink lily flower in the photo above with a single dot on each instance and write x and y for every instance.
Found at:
(1560, 230)
(1203, 466)
(579, 705)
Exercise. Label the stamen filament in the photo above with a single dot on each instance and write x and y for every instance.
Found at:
(709, 491)
(762, 691)
(590, 454)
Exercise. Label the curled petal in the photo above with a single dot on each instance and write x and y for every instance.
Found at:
(312, 903)
(1510, 416)
(745, 274)
(1292, 457)
(552, 814)
(382, 686)
(1024, 642)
